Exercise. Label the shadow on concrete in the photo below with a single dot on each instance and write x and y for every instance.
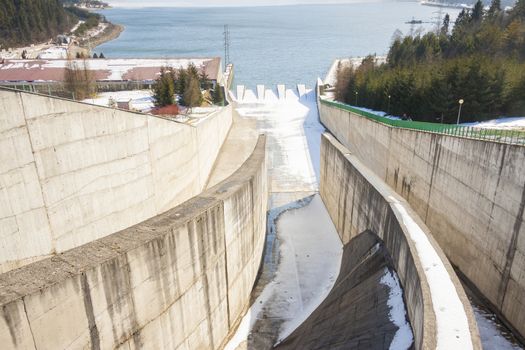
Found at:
(356, 313)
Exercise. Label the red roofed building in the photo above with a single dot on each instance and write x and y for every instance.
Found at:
(107, 72)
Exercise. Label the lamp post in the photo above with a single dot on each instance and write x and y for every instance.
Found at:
(388, 110)
(356, 93)
(459, 112)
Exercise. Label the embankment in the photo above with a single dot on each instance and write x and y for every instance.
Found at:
(180, 280)
(470, 193)
(359, 201)
(71, 173)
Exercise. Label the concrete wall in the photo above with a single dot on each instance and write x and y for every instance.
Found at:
(470, 193)
(180, 280)
(71, 173)
(359, 201)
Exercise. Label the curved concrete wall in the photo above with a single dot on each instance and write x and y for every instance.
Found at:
(71, 173)
(359, 201)
(470, 193)
(181, 280)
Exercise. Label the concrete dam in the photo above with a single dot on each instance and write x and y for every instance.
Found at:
(255, 226)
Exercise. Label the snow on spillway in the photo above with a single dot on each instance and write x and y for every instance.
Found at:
(294, 136)
(452, 325)
(310, 249)
(403, 338)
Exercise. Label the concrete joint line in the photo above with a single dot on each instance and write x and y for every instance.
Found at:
(52, 239)
(511, 253)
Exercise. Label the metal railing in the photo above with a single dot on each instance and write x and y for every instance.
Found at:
(510, 136)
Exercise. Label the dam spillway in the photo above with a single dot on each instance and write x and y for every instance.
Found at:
(135, 287)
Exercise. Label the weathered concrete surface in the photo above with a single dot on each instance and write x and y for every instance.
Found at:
(237, 147)
(359, 201)
(71, 173)
(180, 280)
(355, 315)
(470, 193)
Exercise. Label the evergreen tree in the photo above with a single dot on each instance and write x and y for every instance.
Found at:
(518, 11)
(218, 95)
(482, 61)
(180, 85)
(477, 12)
(446, 25)
(24, 22)
(494, 9)
(95, 55)
(164, 88)
(192, 93)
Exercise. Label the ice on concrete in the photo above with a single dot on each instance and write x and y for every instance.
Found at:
(453, 330)
(493, 336)
(311, 253)
(310, 259)
(403, 338)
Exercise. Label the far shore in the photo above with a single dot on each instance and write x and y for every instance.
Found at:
(112, 32)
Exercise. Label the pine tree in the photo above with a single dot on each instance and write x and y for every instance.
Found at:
(164, 88)
(192, 93)
(494, 9)
(218, 95)
(477, 12)
(446, 25)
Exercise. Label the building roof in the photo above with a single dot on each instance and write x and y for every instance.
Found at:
(103, 69)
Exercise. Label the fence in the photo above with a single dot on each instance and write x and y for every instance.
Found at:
(510, 136)
(57, 88)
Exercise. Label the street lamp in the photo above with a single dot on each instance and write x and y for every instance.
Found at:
(388, 110)
(356, 93)
(459, 112)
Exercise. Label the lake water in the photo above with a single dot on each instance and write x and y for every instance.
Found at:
(269, 45)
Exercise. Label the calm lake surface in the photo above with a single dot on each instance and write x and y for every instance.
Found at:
(269, 45)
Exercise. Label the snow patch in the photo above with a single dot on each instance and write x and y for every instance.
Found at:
(403, 338)
(501, 123)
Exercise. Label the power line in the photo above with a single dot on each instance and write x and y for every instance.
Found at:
(226, 44)
(438, 19)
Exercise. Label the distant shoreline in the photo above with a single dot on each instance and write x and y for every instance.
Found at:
(111, 33)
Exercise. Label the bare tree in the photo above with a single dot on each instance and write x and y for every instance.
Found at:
(79, 81)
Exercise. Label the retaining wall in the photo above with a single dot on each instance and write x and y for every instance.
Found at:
(359, 201)
(71, 173)
(180, 280)
(470, 193)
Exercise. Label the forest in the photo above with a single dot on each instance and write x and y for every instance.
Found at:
(480, 60)
(25, 22)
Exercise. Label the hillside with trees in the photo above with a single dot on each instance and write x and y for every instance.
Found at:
(480, 60)
(24, 22)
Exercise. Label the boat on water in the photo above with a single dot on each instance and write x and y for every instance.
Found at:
(437, 3)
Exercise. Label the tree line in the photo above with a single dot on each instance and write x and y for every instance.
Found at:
(480, 60)
(24, 22)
